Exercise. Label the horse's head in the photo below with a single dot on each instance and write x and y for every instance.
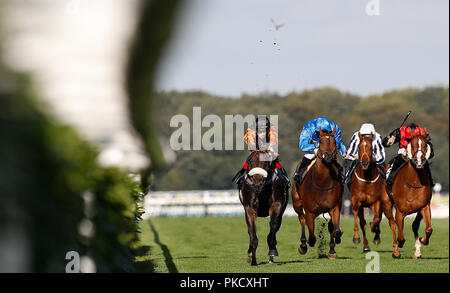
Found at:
(365, 150)
(418, 150)
(258, 165)
(327, 145)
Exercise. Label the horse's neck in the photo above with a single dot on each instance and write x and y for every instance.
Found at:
(368, 174)
(416, 176)
(321, 171)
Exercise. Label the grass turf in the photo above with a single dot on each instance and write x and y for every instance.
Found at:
(219, 245)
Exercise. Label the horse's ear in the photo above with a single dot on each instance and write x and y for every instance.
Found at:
(334, 131)
(371, 135)
(320, 131)
(425, 132)
(359, 135)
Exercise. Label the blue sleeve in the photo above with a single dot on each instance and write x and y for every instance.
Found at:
(340, 144)
(305, 139)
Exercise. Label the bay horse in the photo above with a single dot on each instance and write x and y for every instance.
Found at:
(368, 190)
(263, 194)
(320, 192)
(411, 192)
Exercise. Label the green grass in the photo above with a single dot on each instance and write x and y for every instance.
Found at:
(219, 245)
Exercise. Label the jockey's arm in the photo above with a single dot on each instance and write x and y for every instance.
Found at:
(378, 149)
(352, 151)
(392, 138)
(340, 144)
(305, 140)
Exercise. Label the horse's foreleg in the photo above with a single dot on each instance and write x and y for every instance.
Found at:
(297, 205)
(386, 206)
(275, 223)
(250, 217)
(426, 214)
(356, 238)
(415, 228)
(335, 214)
(400, 220)
(310, 223)
(375, 225)
(362, 224)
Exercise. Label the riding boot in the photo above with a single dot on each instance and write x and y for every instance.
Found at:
(381, 169)
(351, 165)
(392, 171)
(299, 173)
(341, 174)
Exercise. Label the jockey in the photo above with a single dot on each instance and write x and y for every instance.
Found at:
(402, 137)
(261, 135)
(378, 153)
(309, 143)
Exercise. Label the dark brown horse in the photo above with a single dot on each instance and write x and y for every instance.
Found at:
(368, 190)
(320, 192)
(263, 194)
(411, 190)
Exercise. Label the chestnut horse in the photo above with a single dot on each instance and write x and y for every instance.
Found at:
(411, 191)
(263, 194)
(320, 192)
(368, 190)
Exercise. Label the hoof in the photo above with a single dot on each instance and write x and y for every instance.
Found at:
(302, 249)
(417, 256)
(396, 256)
(312, 243)
(376, 241)
(271, 259)
(273, 252)
(254, 264)
(423, 240)
(249, 258)
(332, 255)
(366, 249)
(357, 240)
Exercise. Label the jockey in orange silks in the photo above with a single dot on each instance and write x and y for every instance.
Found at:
(261, 135)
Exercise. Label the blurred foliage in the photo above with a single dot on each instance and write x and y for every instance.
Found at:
(153, 32)
(214, 169)
(53, 191)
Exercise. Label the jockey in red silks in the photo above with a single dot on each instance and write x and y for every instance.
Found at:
(402, 137)
(261, 135)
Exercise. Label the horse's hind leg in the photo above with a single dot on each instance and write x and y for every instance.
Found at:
(426, 214)
(415, 228)
(297, 205)
(275, 224)
(362, 223)
(375, 225)
(250, 218)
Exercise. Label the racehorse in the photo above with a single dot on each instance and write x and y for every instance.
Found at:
(320, 192)
(263, 194)
(411, 190)
(368, 190)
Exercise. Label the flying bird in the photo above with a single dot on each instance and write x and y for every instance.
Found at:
(277, 26)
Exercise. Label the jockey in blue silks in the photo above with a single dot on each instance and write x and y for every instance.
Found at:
(309, 143)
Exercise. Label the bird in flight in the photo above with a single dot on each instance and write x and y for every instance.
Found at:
(277, 26)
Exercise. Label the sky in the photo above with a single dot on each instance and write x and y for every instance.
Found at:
(231, 47)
